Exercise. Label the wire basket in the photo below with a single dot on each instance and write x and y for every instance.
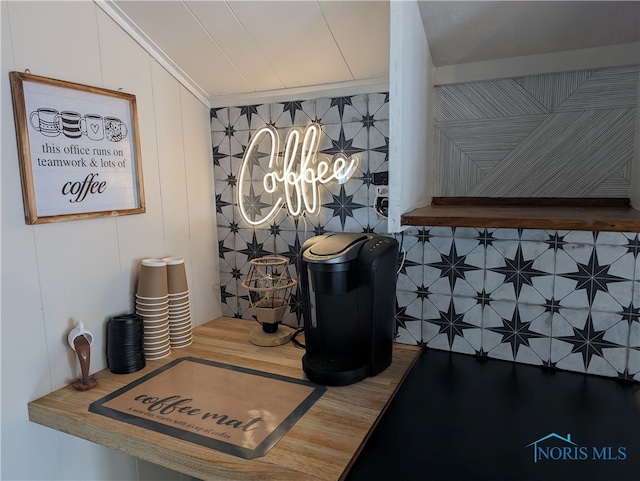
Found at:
(269, 284)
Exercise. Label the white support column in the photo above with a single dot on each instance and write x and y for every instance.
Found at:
(410, 119)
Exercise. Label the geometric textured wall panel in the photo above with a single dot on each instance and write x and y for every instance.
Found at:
(613, 88)
(567, 134)
(460, 173)
(484, 100)
(553, 89)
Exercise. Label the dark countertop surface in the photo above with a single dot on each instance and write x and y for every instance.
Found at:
(458, 417)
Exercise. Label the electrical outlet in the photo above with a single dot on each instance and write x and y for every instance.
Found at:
(381, 202)
(380, 178)
(382, 206)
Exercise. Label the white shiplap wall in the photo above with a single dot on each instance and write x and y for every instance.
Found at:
(54, 274)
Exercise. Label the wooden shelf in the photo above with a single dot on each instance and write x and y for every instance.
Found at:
(321, 446)
(550, 214)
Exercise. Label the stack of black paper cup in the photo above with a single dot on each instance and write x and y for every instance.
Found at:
(125, 344)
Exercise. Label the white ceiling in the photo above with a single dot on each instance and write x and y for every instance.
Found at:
(234, 47)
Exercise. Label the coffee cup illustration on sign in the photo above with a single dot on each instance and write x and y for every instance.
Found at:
(114, 129)
(71, 124)
(46, 121)
(92, 126)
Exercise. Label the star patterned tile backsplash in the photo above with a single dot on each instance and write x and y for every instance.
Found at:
(561, 299)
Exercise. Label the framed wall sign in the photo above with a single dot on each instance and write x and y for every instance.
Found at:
(78, 149)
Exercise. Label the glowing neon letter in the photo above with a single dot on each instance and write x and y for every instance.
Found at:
(275, 147)
(294, 177)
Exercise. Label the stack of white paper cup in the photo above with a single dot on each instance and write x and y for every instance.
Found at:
(152, 304)
(180, 330)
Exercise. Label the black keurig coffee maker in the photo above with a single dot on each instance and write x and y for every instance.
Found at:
(348, 284)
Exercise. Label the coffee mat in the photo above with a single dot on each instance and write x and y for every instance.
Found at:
(235, 410)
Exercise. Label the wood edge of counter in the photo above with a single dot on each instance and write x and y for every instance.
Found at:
(418, 350)
(163, 455)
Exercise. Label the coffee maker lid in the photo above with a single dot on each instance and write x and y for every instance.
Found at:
(336, 248)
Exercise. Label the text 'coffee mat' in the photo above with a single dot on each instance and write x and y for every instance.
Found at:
(238, 411)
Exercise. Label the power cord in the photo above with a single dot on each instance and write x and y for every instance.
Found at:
(295, 341)
(402, 252)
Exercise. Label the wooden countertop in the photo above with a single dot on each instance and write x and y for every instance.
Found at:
(321, 446)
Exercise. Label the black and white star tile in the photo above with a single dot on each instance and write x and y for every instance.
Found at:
(452, 323)
(220, 147)
(345, 139)
(378, 106)
(238, 142)
(519, 271)
(410, 290)
(249, 117)
(454, 265)
(229, 274)
(251, 244)
(288, 244)
(590, 342)
(632, 244)
(631, 315)
(379, 146)
(410, 274)
(225, 184)
(346, 211)
(598, 277)
(378, 162)
(228, 294)
(633, 247)
(408, 318)
(633, 359)
(517, 332)
(219, 119)
(339, 110)
(295, 113)
(344, 206)
(226, 249)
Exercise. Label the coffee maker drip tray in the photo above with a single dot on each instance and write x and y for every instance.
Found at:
(335, 369)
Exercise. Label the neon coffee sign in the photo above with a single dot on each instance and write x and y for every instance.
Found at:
(293, 176)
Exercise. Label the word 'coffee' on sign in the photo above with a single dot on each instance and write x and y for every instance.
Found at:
(294, 176)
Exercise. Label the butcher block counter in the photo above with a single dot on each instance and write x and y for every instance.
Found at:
(321, 445)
